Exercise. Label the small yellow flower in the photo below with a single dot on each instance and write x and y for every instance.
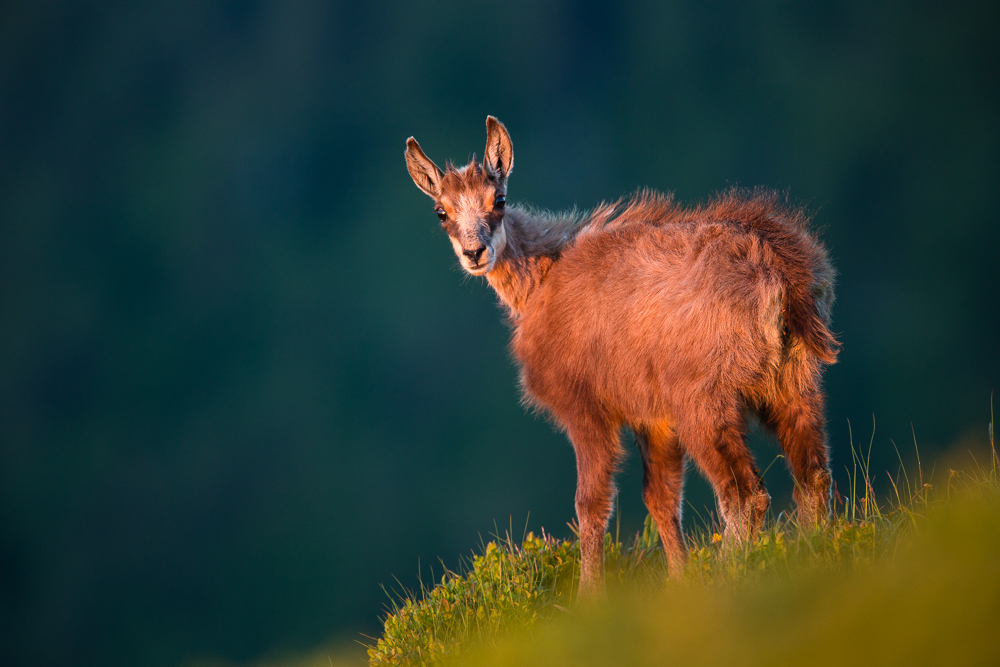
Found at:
(716, 538)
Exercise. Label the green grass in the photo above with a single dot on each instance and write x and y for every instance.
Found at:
(911, 578)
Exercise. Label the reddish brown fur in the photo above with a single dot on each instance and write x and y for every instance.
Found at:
(673, 321)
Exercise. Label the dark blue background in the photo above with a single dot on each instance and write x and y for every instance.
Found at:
(242, 382)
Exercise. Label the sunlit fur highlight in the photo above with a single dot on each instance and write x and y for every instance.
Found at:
(674, 321)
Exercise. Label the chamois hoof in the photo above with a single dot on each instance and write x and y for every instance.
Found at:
(746, 521)
(814, 501)
(590, 591)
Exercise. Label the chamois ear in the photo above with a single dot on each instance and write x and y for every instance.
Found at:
(499, 156)
(423, 171)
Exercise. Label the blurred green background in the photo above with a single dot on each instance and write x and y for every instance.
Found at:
(242, 381)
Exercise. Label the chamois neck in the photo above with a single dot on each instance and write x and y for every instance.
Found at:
(534, 241)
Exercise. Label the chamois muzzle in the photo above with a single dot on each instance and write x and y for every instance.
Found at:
(474, 254)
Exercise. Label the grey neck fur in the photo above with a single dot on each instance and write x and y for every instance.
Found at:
(535, 239)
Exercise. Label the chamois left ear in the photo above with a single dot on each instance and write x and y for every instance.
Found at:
(423, 171)
(499, 156)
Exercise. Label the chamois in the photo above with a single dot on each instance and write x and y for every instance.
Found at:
(674, 321)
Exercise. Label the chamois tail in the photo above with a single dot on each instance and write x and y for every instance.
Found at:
(806, 318)
(802, 261)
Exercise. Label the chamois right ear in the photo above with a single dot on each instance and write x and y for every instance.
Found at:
(423, 171)
(499, 156)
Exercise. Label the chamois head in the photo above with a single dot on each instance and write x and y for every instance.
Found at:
(469, 200)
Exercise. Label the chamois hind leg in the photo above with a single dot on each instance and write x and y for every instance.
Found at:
(712, 432)
(597, 450)
(663, 489)
(797, 420)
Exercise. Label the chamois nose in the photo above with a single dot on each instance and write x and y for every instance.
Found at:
(474, 255)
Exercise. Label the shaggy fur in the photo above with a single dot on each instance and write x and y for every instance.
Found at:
(674, 321)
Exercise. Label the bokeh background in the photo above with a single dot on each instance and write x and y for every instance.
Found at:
(243, 384)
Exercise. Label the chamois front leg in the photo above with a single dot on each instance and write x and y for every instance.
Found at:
(597, 452)
(663, 489)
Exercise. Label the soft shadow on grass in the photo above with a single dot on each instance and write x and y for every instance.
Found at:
(936, 600)
(908, 579)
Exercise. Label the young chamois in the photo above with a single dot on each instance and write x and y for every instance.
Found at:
(673, 321)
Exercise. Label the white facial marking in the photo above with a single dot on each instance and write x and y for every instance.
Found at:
(468, 209)
(498, 242)
(457, 246)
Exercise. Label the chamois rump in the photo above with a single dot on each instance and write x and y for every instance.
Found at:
(673, 321)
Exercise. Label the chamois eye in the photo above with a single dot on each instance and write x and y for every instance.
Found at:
(499, 202)
(441, 214)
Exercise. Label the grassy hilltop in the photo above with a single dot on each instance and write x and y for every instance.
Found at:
(914, 578)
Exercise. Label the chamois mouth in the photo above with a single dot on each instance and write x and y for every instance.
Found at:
(480, 269)
(481, 265)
